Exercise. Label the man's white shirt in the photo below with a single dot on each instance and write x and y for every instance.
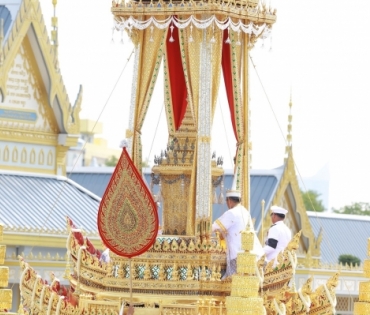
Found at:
(280, 232)
(231, 224)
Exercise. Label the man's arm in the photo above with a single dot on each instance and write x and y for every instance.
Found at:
(272, 240)
(131, 310)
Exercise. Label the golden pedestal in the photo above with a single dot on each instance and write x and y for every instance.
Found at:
(245, 284)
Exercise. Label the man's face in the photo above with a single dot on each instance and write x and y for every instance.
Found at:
(274, 218)
(228, 203)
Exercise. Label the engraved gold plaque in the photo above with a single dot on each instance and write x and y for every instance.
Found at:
(4, 276)
(5, 299)
(2, 254)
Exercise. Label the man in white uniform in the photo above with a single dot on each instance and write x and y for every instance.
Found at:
(105, 254)
(279, 235)
(230, 225)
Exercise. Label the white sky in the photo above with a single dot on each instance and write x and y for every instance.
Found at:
(320, 51)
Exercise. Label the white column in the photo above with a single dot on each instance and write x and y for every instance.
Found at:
(203, 185)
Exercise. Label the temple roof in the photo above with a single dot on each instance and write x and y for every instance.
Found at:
(342, 234)
(40, 203)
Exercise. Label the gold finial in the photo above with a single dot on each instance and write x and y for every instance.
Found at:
(288, 147)
(54, 32)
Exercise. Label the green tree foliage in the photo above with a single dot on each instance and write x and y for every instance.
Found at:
(311, 201)
(349, 260)
(112, 161)
(359, 208)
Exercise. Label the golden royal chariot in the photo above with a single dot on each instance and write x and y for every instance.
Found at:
(179, 273)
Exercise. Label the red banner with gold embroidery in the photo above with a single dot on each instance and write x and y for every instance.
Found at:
(127, 217)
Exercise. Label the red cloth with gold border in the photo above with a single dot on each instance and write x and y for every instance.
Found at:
(127, 217)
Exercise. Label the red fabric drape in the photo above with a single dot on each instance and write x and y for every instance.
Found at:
(228, 78)
(177, 78)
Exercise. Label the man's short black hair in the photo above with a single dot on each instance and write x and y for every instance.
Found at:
(280, 215)
(235, 199)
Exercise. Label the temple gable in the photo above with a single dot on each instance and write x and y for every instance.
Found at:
(38, 124)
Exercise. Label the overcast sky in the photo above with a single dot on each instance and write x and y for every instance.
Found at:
(319, 50)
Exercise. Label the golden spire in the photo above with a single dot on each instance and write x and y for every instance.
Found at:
(54, 32)
(288, 147)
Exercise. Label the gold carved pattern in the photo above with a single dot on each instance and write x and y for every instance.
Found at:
(61, 158)
(32, 17)
(2, 254)
(24, 156)
(33, 156)
(15, 155)
(36, 82)
(41, 158)
(4, 276)
(175, 204)
(50, 158)
(6, 154)
(323, 300)
(38, 295)
(232, 9)
(5, 299)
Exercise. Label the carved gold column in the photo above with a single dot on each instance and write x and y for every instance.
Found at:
(246, 158)
(203, 186)
(5, 294)
(362, 307)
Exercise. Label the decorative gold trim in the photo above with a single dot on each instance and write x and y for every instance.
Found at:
(15, 155)
(6, 154)
(41, 157)
(24, 156)
(6, 299)
(4, 276)
(32, 157)
(2, 253)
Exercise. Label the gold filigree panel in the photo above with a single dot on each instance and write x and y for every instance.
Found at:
(2, 253)
(175, 194)
(6, 298)
(4, 276)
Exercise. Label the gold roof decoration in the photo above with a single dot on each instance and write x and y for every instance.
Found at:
(252, 10)
(250, 17)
